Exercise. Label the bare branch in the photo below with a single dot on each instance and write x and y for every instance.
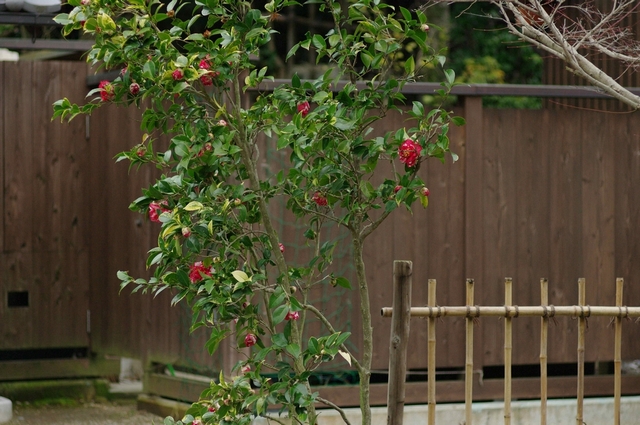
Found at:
(574, 33)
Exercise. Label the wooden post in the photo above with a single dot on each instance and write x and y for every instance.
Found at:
(544, 336)
(508, 348)
(468, 373)
(400, 322)
(431, 353)
(582, 324)
(617, 355)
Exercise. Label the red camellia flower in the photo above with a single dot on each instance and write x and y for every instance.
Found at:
(206, 80)
(425, 191)
(155, 209)
(304, 108)
(197, 270)
(409, 152)
(250, 340)
(177, 74)
(281, 246)
(134, 88)
(205, 64)
(319, 199)
(107, 92)
(292, 315)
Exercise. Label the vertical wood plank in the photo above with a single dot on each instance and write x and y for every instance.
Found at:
(474, 209)
(18, 148)
(4, 99)
(499, 220)
(598, 218)
(532, 215)
(565, 206)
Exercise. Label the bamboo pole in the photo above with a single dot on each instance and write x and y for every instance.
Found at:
(508, 347)
(582, 324)
(431, 361)
(400, 323)
(522, 311)
(544, 337)
(468, 373)
(617, 355)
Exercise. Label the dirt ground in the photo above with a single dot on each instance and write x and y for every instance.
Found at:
(100, 413)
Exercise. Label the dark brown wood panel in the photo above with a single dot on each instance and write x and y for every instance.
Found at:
(18, 210)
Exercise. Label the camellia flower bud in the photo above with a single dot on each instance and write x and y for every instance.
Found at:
(177, 74)
(281, 246)
(250, 340)
(319, 199)
(425, 191)
(107, 92)
(424, 27)
(304, 108)
(222, 123)
(134, 89)
(397, 189)
(155, 209)
(245, 369)
(197, 270)
(186, 232)
(292, 315)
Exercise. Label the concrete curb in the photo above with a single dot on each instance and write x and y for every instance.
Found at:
(6, 410)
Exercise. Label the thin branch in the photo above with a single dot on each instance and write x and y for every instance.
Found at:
(335, 407)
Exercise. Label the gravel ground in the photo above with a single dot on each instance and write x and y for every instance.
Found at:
(120, 413)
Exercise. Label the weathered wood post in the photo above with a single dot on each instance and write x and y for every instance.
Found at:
(400, 321)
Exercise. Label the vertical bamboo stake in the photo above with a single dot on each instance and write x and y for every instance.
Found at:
(400, 322)
(617, 355)
(544, 336)
(468, 373)
(431, 362)
(582, 323)
(508, 336)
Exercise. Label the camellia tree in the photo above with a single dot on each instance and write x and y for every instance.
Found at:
(218, 246)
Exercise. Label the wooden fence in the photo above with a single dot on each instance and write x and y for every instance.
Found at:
(401, 313)
(542, 192)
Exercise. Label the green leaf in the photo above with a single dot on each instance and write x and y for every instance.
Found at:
(319, 42)
(193, 206)
(459, 121)
(241, 276)
(410, 65)
(367, 189)
(450, 75)
(294, 350)
(279, 313)
(341, 281)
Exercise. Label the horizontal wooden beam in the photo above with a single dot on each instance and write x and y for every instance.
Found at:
(25, 18)
(55, 369)
(46, 44)
(416, 392)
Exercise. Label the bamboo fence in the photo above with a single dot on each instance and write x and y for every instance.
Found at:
(582, 311)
